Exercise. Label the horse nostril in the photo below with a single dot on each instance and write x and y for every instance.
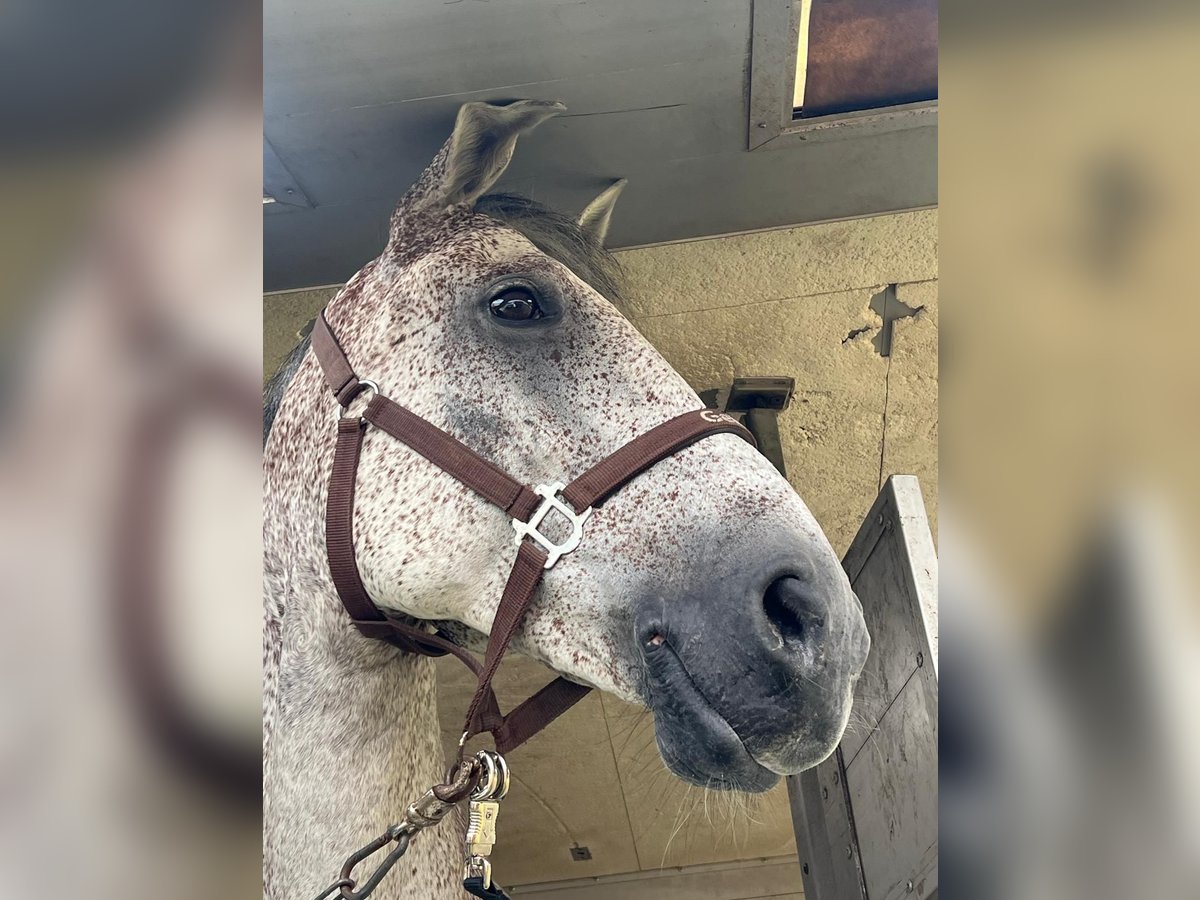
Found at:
(792, 610)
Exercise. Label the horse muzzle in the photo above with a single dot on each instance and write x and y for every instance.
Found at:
(750, 678)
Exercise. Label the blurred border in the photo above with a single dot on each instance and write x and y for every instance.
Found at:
(130, 249)
(1071, 398)
(130, 328)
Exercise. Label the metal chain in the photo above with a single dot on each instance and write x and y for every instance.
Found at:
(402, 840)
(345, 882)
(430, 809)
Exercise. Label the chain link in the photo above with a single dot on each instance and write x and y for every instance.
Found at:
(402, 840)
(345, 882)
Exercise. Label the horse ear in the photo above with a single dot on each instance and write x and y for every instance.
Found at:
(594, 220)
(479, 151)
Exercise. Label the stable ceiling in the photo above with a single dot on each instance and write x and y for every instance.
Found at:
(358, 96)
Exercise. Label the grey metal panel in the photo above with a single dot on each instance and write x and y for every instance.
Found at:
(773, 68)
(614, 123)
(667, 200)
(319, 55)
(880, 564)
(750, 190)
(889, 755)
(279, 184)
(326, 245)
(359, 95)
(893, 792)
(825, 842)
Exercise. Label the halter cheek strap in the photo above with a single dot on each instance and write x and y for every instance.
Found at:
(526, 506)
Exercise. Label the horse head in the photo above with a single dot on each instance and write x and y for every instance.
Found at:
(704, 590)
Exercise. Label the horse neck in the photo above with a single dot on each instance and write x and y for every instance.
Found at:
(353, 738)
(351, 732)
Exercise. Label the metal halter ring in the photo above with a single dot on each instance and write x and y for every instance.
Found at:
(493, 784)
(367, 383)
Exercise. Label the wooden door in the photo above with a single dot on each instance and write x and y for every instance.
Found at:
(866, 818)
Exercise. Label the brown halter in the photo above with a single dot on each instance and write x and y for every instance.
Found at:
(527, 507)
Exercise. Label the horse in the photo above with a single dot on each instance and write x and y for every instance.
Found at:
(704, 591)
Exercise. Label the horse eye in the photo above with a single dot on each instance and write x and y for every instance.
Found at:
(516, 304)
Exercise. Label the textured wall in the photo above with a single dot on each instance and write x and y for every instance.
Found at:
(799, 302)
(284, 314)
(807, 302)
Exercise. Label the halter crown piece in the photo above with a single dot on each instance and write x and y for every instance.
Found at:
(527, 507)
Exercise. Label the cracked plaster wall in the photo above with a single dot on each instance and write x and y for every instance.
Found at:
(798, 302)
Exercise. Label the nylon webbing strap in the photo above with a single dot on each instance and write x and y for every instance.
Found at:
(339, 374)
(339, 529)
(454, 457)
(484, 713)
(590, 489)
(601, 481)
(526, 720)
(522, 584)
(413, 639)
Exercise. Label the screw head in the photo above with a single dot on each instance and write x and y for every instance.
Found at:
(849, 852)
(824, 793)
(836, 777)
(920, 660)
(908, 886)
(804, 868)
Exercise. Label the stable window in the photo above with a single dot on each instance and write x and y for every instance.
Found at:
(819, 67)
(864, 54)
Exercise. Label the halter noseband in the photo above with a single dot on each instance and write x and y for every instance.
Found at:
(527, 507)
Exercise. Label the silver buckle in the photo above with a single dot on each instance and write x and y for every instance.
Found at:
(549, 494)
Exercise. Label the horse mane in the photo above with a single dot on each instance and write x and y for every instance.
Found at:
(558, 236)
